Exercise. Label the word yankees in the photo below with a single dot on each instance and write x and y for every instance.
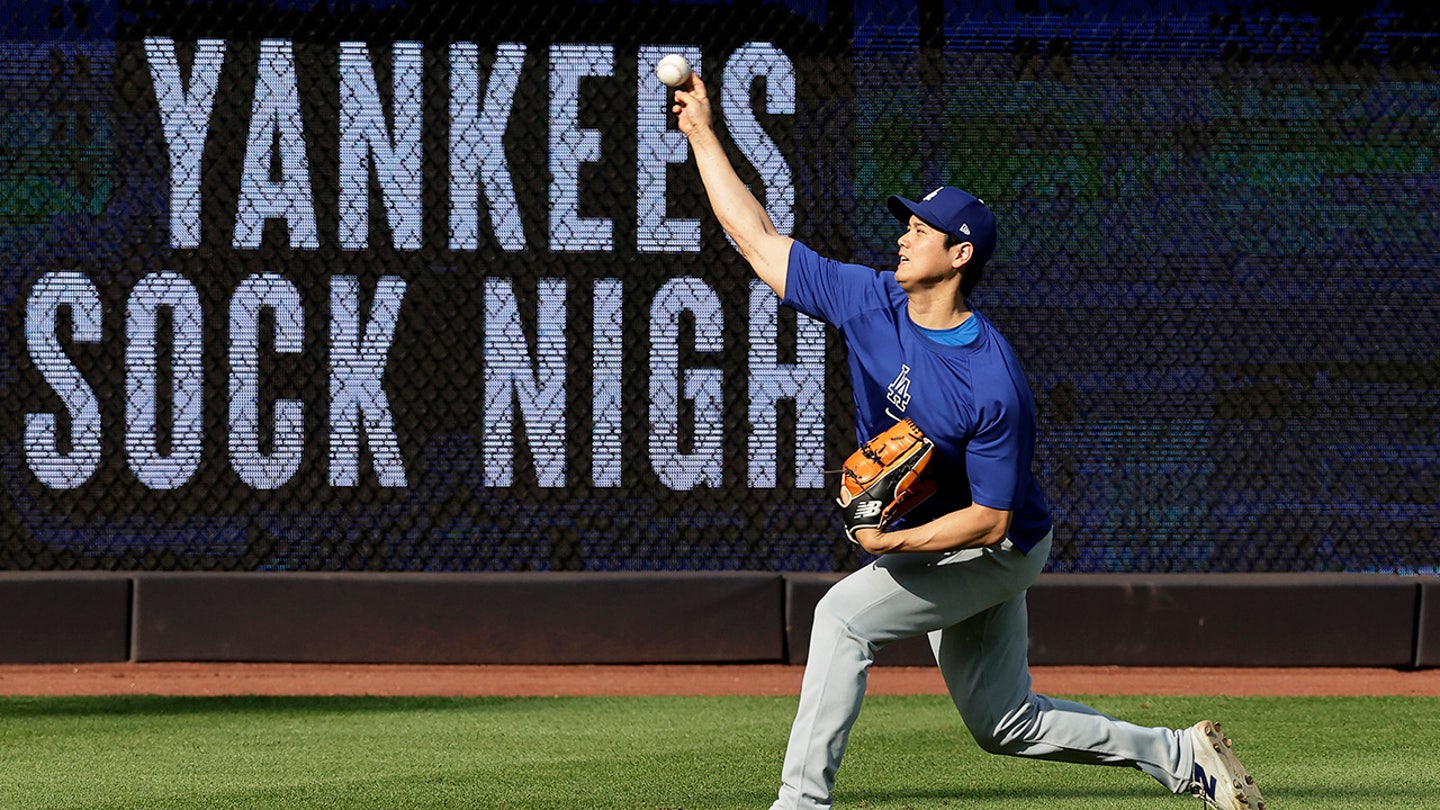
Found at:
(275, 176)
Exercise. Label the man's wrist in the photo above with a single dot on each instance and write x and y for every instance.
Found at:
(703, 136)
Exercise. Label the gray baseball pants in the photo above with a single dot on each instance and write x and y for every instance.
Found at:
(972, 605)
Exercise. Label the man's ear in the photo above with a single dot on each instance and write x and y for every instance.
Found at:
(963, 255)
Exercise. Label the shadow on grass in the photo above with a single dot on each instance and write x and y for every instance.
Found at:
(160, 705)
(1327, 795)
(999, 792)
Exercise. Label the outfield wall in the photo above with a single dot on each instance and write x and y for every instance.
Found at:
(435, 287)
(1353, 620)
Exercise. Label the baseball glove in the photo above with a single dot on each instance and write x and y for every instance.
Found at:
(885, 478)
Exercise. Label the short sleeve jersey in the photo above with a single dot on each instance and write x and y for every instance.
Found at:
(972, 400)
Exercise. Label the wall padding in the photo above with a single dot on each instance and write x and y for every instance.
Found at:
(532, 618)
(1276, 620)
(1427, 633)
(64, 618)
(1191, 620)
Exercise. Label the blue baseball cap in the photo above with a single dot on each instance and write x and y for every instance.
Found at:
(958, 213)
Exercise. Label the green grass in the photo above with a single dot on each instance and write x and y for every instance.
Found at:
(658, 754)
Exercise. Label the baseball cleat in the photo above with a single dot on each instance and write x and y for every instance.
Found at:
(1219, 779)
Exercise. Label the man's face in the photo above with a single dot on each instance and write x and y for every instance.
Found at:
(924, 259)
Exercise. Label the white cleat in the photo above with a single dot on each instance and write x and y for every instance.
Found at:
(1220, 780)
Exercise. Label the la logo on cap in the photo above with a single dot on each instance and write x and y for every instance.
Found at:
(931, 195)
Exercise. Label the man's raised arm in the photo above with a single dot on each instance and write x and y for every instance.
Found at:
(740, 213)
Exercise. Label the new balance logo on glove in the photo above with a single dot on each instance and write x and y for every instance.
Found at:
(868, 509)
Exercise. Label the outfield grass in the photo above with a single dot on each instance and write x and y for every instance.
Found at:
(265, 753)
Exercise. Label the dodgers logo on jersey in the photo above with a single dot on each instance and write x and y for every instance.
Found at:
(899, 392)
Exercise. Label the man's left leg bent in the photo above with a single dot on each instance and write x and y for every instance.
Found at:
(895, 597)
(985, 662)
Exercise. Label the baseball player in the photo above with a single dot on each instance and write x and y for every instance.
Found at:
(957, 566)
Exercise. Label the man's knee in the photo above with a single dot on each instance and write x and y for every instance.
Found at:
(838, 623)
(832, 614)
(994, 741)
(1010, 734)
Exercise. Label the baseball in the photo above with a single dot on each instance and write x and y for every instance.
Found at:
(673, 70)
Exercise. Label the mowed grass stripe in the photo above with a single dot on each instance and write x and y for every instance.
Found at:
(657, 753)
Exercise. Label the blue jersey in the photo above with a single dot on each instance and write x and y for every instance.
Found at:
(972, 400)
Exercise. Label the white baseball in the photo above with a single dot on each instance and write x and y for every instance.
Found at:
(673, 70)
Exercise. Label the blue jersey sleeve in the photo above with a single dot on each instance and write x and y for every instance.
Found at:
(999, 454)
(830, 290)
